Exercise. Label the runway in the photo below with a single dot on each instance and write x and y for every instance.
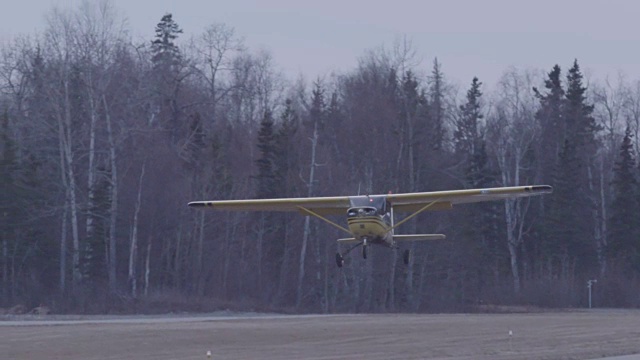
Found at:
(548, 335)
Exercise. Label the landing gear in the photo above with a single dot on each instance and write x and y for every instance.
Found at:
(340, 256)
(406, 256)
(339, 260)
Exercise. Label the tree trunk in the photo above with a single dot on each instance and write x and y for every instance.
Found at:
(602, 245)
(261, 231)
(91, 176)
(229, 234)
(391, 293)
(284, 279)
(200, 268)
(5, 268)
(147, 268)
(113, 211)
(63, 252)
(307, 228)
(133, 249)
(325, 293)
(177, 261)
(69, 180)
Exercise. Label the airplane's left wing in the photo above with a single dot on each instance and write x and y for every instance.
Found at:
(320, 205)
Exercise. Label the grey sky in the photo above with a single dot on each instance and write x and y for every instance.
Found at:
(481, 38)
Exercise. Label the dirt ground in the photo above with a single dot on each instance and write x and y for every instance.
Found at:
(557, 335)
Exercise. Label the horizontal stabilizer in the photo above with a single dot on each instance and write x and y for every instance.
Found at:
(418, 237)
(348, 241)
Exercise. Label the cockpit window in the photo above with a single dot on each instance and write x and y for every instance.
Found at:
(378, 202)
(362, 211)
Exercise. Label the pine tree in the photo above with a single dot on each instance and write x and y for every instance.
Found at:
(480, 242)
(285, 158)
(581, 131)
(436, 107)
(318, 106)
(165, 52)
(567, 228)
(578, 115)
(8, 188)
(413, 114)
(266, 187)
(467, 136)
(551, 120)
(93, 254)
(624, 229)
(166, 78)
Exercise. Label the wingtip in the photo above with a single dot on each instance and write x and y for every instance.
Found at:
(197, 204)
(543, 188)
(540, 189)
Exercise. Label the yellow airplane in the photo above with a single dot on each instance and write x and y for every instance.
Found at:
(370, 218)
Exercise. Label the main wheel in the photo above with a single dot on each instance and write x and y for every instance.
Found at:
(406, 257)
(364, 251)
(339, 260)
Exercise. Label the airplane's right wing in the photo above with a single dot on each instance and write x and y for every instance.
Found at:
(446, 199)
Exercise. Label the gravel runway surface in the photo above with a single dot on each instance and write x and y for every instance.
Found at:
(547, 335)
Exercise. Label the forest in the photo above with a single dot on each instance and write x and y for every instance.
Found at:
(104, 141)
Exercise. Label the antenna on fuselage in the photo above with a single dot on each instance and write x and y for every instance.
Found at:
(359, 188)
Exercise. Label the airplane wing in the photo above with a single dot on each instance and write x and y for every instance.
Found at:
(419, 237)
(401, 202)
(446, 199)
(320, 205)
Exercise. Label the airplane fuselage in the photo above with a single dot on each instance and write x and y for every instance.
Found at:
(366, 223)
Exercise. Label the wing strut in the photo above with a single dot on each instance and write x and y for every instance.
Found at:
(414, 214)
(312, 213)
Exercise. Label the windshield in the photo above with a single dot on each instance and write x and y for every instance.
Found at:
(377, 202)
(362, 211)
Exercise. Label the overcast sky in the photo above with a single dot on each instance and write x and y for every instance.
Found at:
(470, 37)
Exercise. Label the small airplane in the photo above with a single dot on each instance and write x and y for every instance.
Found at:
(370, 218)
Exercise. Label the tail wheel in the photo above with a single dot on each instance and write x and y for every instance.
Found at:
(406, 257)
(339, 260)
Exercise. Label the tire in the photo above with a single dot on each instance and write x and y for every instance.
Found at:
(339, 260)
(364, 252)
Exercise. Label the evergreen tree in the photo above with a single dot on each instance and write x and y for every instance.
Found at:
(413, 115)
(8, 189)
(624, 229)
(93, 255)
(466, 135)
(437, 107)
(581, 131)
(335, 120)
(167, 75)
(266, 177)
(165, 52)
(285, 158)
(551, 120)
(480, 242)
(580, 123)
(567, 228)
(318, 106)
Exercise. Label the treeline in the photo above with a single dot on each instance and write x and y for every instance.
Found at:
(103, 141)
